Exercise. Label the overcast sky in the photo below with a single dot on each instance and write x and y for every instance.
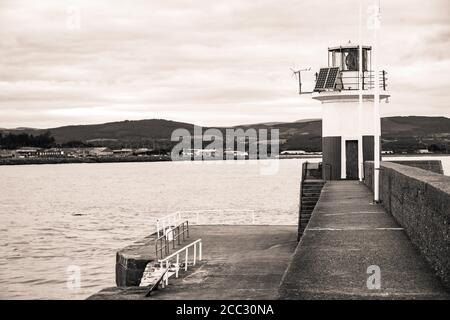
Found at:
(208, 62)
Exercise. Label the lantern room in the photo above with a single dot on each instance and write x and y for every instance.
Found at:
(343, 70)
(347, 57)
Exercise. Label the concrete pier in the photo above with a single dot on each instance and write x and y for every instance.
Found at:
(239, 262)
(346, 235)
(347, 238)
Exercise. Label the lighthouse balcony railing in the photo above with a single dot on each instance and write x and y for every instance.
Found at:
(351, 81)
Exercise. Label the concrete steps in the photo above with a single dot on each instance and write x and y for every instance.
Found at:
(310, 194)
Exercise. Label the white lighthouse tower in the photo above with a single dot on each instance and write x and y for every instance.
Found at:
(348, 127)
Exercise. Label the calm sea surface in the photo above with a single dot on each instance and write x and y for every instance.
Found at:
(53, 217)
(56, 216)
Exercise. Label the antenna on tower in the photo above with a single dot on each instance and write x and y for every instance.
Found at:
(297, 73)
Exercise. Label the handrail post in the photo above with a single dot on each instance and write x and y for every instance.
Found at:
(178, 266)
(183, 231)
(157, 228)
(195, 253)
(173, 238)
(165, 263)
(187, 227)
(362, 74)
(167, 272)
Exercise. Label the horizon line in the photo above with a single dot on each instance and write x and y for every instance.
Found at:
(204, 126)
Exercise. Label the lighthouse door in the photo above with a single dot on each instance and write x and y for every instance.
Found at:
(351, 156)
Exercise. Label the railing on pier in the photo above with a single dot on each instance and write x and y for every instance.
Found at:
(162, 246)
(311, 170)
(304, 171)
(166, 261)
(167, 221)
(173, 231)
(159, 281)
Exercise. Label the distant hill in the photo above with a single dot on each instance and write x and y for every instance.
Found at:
(123, 130)
(298, 135)
(415, 126)
(397, 132)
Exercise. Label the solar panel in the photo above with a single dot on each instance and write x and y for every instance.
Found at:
(322, 77)
(326, 78)
(331, 79)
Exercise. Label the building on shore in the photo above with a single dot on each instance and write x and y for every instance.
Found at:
(100, 152)
(27, 152)
(51, 153)
(143, 152)
(124, 152)
(293, 152)
(200, 153)
(4, 154)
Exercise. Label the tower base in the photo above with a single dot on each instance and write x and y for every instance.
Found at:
(340, 156)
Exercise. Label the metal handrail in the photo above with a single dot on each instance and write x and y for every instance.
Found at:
(304, 170)
(370, 83)
(176, 254)
(163, 245)
(155, 286)
(184, 233)
(167, 221)
(367, 80)
(171, 235)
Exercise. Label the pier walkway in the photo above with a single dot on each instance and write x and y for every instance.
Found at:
(346, 235)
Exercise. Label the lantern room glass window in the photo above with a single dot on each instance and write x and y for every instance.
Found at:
(347, 59)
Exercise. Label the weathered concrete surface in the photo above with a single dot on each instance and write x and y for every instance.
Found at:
(420, 202)
(345, 236)
(429, 165)
(131, 261)
(239, 262)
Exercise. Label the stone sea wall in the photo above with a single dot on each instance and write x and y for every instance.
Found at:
(420, 202)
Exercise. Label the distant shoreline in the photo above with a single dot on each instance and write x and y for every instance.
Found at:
(34, 161)
(29, 161)
(416, 155)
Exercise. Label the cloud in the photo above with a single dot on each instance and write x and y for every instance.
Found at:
(209, 62)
